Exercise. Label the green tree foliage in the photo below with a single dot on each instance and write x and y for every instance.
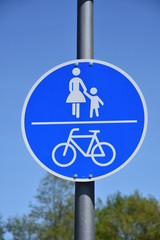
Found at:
(128, 217)
(54, 211)
(51, 217)
(21, 228)
(2, 231)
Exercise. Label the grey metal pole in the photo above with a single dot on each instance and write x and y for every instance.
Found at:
(84, 211)
(85, 29)
(84, 191)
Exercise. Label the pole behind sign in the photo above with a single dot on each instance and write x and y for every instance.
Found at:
(84, 192)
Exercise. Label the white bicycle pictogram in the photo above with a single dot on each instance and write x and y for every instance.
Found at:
(91, 151)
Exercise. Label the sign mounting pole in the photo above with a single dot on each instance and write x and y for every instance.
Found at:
(84, 191)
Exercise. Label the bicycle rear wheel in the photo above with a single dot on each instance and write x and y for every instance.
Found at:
(102, 147)
(58, 150)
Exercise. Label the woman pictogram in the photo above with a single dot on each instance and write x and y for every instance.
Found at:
(76, 96)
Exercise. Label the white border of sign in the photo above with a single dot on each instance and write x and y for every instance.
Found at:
(76, 62)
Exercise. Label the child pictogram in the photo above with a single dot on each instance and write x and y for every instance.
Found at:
(95, 101)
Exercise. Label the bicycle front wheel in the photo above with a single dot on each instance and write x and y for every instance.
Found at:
(61, 159)
(103, 154)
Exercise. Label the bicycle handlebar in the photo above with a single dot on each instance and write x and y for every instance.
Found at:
(73, 130)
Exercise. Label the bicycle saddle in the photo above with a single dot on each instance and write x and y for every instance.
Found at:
(94, 131)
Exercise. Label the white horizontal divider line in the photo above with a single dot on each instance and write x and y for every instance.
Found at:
(85, 122)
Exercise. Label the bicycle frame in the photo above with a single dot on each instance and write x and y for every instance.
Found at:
(88, 152)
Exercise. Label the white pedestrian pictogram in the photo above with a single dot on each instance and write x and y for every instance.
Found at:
(76, 96)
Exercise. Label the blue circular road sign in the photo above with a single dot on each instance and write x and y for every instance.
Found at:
(84, 120)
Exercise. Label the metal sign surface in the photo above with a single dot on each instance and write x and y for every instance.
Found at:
(84, 120)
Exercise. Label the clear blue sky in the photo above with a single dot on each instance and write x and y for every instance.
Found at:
(35, 36)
